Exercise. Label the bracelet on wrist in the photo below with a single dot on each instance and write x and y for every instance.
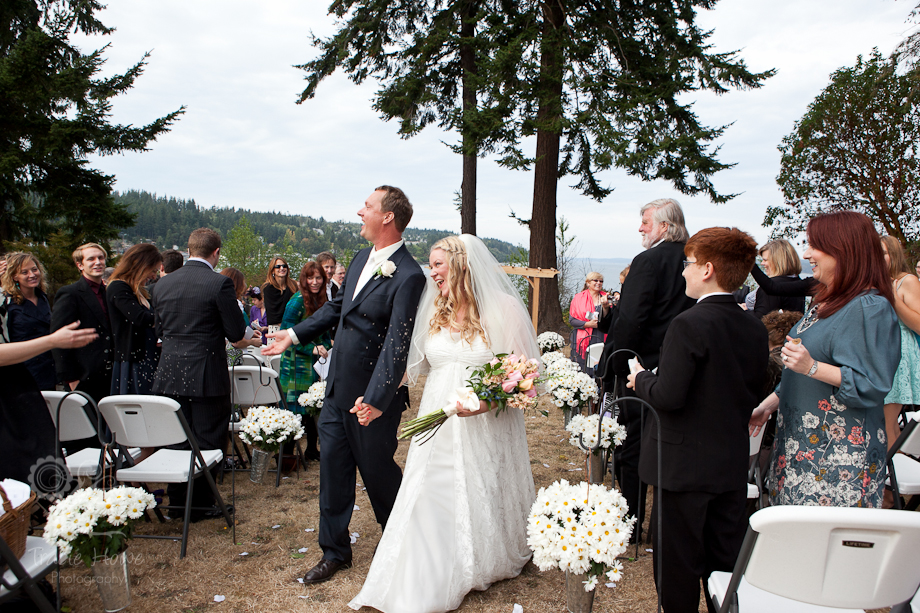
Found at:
(814, 368)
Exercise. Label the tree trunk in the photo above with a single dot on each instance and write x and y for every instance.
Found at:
(468, 68)
(546, 167)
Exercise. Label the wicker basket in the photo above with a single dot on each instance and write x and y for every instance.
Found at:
(14, 523)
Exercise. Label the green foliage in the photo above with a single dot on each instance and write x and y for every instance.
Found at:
(568, 278)
(521, 258)
(415, 49)
(856, 148)
(243, 250)
(168, 221)
(621, 69)
(55, 113)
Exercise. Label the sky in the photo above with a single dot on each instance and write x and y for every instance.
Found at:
(244, 143)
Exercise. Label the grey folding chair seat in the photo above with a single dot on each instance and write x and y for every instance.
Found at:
(22, 574)
(903, 466)
(799, 559)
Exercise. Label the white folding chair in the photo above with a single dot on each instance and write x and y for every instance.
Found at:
(799, 559)
(274, 362)
(903, 466)
(250, 359)
(252, 386)
(156, 421)
(75, 425)
(594, 354)
(22, 574)
(755, 477)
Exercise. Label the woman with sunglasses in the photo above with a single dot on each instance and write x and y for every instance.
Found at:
(276, 291)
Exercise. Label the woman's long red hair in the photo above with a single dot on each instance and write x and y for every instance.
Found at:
(311, 301)
(851, 239)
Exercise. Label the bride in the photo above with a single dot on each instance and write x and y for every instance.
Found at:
(460, 518)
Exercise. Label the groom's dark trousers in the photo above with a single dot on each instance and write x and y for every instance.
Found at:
(369, 360)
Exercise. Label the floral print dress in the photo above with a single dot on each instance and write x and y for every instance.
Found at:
(830, 443)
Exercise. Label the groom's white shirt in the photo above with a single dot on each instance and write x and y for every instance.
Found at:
(374, 259)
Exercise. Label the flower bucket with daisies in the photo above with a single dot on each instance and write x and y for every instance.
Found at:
(580, 529)
(93, 524)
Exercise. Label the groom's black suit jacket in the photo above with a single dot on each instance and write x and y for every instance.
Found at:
(373, 333)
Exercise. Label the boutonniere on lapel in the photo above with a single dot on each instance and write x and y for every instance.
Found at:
(385, 270)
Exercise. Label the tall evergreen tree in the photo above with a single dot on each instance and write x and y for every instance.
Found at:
(608, 78)
(54, 113)
(597, 83)
(432, 59)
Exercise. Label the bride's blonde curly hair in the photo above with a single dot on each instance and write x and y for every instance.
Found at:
(459, 294)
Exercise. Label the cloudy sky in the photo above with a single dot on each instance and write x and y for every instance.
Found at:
(244, 143)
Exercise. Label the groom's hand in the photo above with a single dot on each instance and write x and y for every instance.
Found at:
(365, 412)
(282, 342)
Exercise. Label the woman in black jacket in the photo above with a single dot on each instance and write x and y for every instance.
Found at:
(29, 314)
(277, 290)
(782, 265)
(136, 352)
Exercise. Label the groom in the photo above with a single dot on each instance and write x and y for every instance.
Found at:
(374, 313)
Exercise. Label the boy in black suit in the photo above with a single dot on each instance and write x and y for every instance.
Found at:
(710, 378)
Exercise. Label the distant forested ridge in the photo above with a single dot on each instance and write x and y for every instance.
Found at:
(168, 221)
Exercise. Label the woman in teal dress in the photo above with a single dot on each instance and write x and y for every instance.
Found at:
(297, 373)
(905, 389)
(831, 443)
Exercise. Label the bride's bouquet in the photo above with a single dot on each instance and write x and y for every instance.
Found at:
(505, 381)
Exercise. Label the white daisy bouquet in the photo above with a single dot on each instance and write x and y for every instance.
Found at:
(550, 341)
(93, 523)
(561, 367)
(267, 428)
(312, 400)
(612, 433)
(551, 357)
(579, 528)
(570, 390)
(505, 381)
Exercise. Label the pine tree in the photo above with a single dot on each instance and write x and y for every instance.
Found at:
(54, 113)
(600, 85)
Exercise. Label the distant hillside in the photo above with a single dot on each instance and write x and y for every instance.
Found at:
(168, 221)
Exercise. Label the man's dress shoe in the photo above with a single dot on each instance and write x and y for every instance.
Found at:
(324, 570)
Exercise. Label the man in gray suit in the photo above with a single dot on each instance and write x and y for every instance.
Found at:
(194, 310)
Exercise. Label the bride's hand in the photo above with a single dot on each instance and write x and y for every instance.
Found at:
(483, 408)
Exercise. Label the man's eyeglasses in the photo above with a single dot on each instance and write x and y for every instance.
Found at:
(281, 265)
(687, 263)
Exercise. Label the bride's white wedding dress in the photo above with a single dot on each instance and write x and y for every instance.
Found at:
(460, 520)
